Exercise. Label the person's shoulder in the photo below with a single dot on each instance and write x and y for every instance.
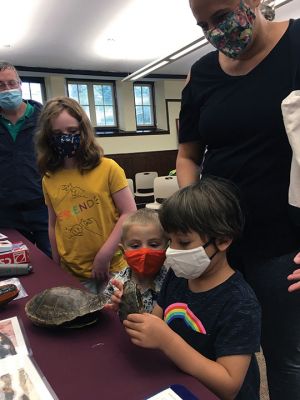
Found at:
(294, 24)
(109, 163)
(35, 104)
(294, 29)
(104, 166)
(205, 63)
(239, 289)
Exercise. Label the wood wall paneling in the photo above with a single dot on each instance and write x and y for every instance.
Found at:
(161, 161)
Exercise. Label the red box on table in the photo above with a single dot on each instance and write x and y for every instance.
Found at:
(19, 254)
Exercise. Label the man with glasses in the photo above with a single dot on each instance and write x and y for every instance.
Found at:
(22, 204)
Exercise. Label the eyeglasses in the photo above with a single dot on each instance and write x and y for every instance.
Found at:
(9, 84)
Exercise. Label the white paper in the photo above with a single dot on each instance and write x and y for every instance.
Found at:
(12, 340)
(19, 377)
(167, 394)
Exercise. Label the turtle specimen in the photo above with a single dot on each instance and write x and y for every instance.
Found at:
(7, 293)
(131, 301)
(64, 306)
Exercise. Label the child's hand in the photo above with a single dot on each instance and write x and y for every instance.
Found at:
(147, 330)
(115, 299)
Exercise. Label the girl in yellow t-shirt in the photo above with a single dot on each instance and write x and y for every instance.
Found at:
(87, 194)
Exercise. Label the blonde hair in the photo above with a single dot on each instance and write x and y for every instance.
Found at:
(89, 154)
(143, 216)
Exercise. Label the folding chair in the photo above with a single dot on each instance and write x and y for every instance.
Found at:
(144, 183)
(164, 187)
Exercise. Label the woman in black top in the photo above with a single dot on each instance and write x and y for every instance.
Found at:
(231, 126)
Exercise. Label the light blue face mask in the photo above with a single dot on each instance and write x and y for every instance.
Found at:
(10, 99)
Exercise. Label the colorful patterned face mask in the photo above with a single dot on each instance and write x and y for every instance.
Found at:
(234, 33)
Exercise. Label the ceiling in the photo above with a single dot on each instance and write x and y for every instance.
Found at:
(102, 35)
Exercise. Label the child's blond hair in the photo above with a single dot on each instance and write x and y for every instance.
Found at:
(143, 216)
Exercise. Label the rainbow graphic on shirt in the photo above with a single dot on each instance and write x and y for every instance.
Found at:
(182, 311)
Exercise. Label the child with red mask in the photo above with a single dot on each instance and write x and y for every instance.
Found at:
(207, 318)
(144, 244)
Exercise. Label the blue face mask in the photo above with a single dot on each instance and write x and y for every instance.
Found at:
(10, 99)
(65, 144)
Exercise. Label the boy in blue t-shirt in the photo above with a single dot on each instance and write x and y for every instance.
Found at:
(207, 318)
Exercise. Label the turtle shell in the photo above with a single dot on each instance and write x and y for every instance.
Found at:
(131, 302)
(64, 306)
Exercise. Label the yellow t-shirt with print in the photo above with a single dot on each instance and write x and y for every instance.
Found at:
(85, 213)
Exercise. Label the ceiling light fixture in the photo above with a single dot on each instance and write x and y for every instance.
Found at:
(183, 51)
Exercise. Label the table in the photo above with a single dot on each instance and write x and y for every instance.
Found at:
(96, 361)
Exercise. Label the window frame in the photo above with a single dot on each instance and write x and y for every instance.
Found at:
(35, 79)
(92, 106)
(142, 128)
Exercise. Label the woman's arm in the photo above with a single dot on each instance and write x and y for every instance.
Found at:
(125, 205)
(224, 376)
(51, 231)
(188, 163)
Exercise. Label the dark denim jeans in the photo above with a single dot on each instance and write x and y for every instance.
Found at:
(280, 322)
(33, 224)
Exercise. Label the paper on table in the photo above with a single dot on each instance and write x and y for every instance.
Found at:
(167, 394)
(13, 339)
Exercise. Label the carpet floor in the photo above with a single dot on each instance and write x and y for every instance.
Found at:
(264, 393)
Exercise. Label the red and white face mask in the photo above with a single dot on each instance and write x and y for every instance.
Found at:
(145, 261)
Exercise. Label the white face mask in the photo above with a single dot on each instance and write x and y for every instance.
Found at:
(188, 264)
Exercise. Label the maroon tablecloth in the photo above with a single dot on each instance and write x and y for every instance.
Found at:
(97, 361)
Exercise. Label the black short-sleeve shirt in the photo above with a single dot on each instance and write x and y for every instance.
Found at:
(239, 120)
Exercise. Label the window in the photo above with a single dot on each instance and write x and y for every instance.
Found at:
(143, 100)
(34, 89)
(79, 92)
(97, 99)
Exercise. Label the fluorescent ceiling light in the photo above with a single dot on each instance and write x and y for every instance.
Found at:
(181, 52)
(148, 70)
(167, 59)
(189, 49)
(280, 3)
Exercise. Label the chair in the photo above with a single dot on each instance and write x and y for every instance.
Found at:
(164, 187)
(144, 183)
(130, 185)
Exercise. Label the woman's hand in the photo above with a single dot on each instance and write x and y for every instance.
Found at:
(115, 299)
(295, 276)
(147, 330)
